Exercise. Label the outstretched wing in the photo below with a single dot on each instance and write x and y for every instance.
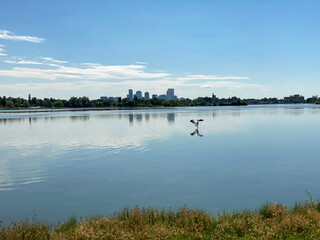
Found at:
(200, 120)
(193, 121)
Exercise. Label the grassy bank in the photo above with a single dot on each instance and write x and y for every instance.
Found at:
(271, 221)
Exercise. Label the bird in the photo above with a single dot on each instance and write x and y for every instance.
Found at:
(196, 123)
(196, 132)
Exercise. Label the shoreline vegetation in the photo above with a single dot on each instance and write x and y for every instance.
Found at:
(85, 102)
(271, 221)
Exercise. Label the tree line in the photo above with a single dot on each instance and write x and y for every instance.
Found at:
(83, 102)
(79, 102)
(313, 99)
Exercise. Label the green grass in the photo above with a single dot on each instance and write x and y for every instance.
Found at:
(271, 221)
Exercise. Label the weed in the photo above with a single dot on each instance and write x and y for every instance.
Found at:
(271, 221)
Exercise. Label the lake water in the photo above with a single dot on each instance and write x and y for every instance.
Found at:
(84, 163)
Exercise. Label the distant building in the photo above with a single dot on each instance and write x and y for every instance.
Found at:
(296, 97)
(213, 95)
(170, 94)
(138, 94)
(116, 99)
(146, 96)
(130, 95)
(162, 96)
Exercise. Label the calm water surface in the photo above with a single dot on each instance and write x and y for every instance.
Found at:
(61, 164)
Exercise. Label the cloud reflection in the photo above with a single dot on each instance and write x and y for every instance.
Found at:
(33, 141)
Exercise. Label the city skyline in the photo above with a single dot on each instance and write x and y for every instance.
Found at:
(146, 96)
(245, 49)
(171, 96)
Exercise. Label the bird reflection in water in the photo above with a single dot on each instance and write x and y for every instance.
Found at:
(196, 132)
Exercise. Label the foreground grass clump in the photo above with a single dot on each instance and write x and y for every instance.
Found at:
(271, 221)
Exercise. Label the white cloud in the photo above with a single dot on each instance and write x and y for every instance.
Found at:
(4, 34)
(90, 64)
(10, 61)
(94, 79)
(92, 89)
(96, 88)
(23, 62)
(2, 50)
(211, 77)
(230, 85)
(52, 60)
(206, 86)
(93, 72)
(53, 65)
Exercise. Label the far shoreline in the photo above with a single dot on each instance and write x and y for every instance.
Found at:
(84, 109)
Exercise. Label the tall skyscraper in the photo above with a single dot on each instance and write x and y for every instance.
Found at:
(146, 96)
(130, 95)
(170, 94)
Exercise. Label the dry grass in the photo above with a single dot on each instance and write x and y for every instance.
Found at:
(271, 221)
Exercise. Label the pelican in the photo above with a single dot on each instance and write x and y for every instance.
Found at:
(196, 123)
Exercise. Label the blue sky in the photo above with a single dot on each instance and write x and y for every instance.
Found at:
(267, 48)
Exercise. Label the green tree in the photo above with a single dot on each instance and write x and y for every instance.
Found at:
(84, 102)
(2, 102)
(313, 99)
(25, 104)
(10, 104)
(34, 102)
(47, 103)
(57, 104)
(73, 102)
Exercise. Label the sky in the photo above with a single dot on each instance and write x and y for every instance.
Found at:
(247, 48)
